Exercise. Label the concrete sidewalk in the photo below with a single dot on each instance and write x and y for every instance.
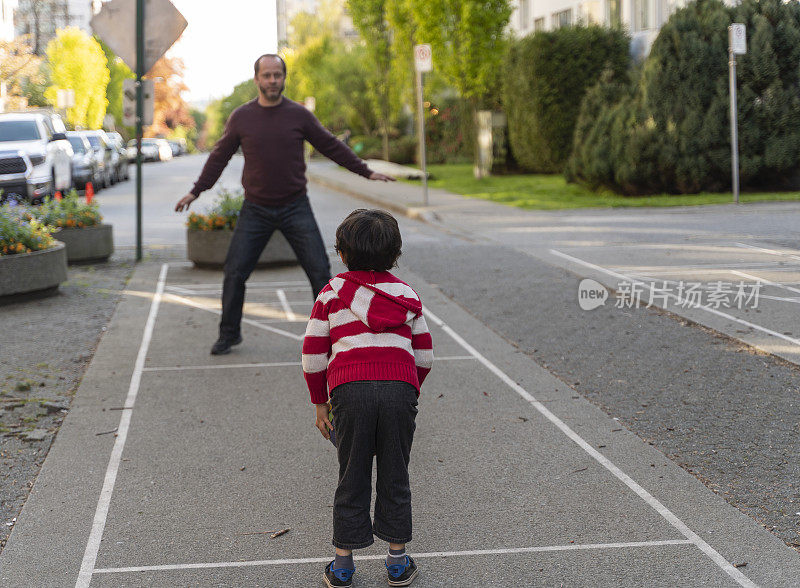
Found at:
(399, 197)
(173, 466)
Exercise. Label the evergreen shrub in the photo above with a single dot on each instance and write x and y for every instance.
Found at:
(666, 128)
(545, 77)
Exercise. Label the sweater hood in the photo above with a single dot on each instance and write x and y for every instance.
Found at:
(377, 299)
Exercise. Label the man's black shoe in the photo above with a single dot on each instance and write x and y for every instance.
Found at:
(223, 346)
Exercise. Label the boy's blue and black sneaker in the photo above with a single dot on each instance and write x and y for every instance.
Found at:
(402, 575)
(339, 577)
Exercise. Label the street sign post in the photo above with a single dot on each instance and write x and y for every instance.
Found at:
(423, 62)
(129, 102)
(163, 25)
(116, 25)
(737, 45)
(65, 98)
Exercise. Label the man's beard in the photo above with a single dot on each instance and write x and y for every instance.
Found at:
(267, 92)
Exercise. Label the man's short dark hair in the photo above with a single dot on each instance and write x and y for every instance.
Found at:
(274, 56)
(369, 240)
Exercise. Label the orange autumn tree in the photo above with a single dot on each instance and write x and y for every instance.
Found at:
(19, 65)
(171, 111)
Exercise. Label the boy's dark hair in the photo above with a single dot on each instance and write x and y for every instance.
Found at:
(369, 240)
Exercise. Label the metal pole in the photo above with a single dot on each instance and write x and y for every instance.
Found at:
(734, 130)
(422, 155)
(139, 120)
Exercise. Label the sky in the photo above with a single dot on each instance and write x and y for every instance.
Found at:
(221, 42)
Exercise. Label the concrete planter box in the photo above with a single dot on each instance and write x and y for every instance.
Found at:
(35, 273)
(88, 243)
(208, 249)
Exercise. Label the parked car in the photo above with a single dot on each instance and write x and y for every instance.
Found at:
(177, 147)
(35, 155)
(123, 160)
(164, 150)
(150, 150)
(85, 167)
(105, 155)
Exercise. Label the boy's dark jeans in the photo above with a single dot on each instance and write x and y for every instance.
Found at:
(253, 230)
(373, 417)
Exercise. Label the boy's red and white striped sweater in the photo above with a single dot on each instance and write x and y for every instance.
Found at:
(365, 326)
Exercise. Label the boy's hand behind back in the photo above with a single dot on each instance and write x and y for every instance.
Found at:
(323, 424)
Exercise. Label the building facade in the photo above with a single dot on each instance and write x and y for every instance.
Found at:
(42, 18)
(286, 10)
(7, 8)
(642, 18)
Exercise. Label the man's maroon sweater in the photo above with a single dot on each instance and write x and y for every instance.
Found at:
(271, 138)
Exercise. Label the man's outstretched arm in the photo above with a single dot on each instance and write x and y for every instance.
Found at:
(326, 143)
(216, 162)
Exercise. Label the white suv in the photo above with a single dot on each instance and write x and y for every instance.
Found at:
(35, 155)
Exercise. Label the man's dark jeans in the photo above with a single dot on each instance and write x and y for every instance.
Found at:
(253, 230)
(373, 418)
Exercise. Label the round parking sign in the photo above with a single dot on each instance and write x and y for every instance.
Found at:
(423, 58)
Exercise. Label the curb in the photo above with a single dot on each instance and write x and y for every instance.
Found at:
(422, 213)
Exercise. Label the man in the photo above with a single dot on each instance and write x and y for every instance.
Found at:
(271, 130)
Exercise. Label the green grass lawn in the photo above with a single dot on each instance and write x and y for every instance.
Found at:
(552, 192)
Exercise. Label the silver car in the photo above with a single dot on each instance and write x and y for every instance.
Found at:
(35, 155)
(105, 154)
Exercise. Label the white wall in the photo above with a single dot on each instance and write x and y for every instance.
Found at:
(642, 18)
(7, 19)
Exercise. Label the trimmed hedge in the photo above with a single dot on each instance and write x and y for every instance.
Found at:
(545, 78)
(667, 129)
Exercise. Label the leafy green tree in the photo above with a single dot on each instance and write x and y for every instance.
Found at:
(77, 62)
(468, 43)
(118, 72)
(322, 65)
(214, 126)
(370, 17)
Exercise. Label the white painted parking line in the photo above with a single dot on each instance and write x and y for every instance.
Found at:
(250, 289)
(468, 553)
(678, 300)
(285, 304)
(217, 285)
(93, 545)
(778, 298)
(770, 251)
(693, 269)
(103, 503)
(179, 368)
(767, 282)
(194, 304)
(673, 520)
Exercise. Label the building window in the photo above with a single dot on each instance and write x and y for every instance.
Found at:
(524, 14)
(642, 15)
(538, 24)
(614, 13)
(562, 19)
(591, 12)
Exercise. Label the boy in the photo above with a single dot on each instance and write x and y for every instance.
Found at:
(368, 343)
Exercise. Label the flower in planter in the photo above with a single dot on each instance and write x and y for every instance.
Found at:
(21, 233)
(69, 212)
(222, 215)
